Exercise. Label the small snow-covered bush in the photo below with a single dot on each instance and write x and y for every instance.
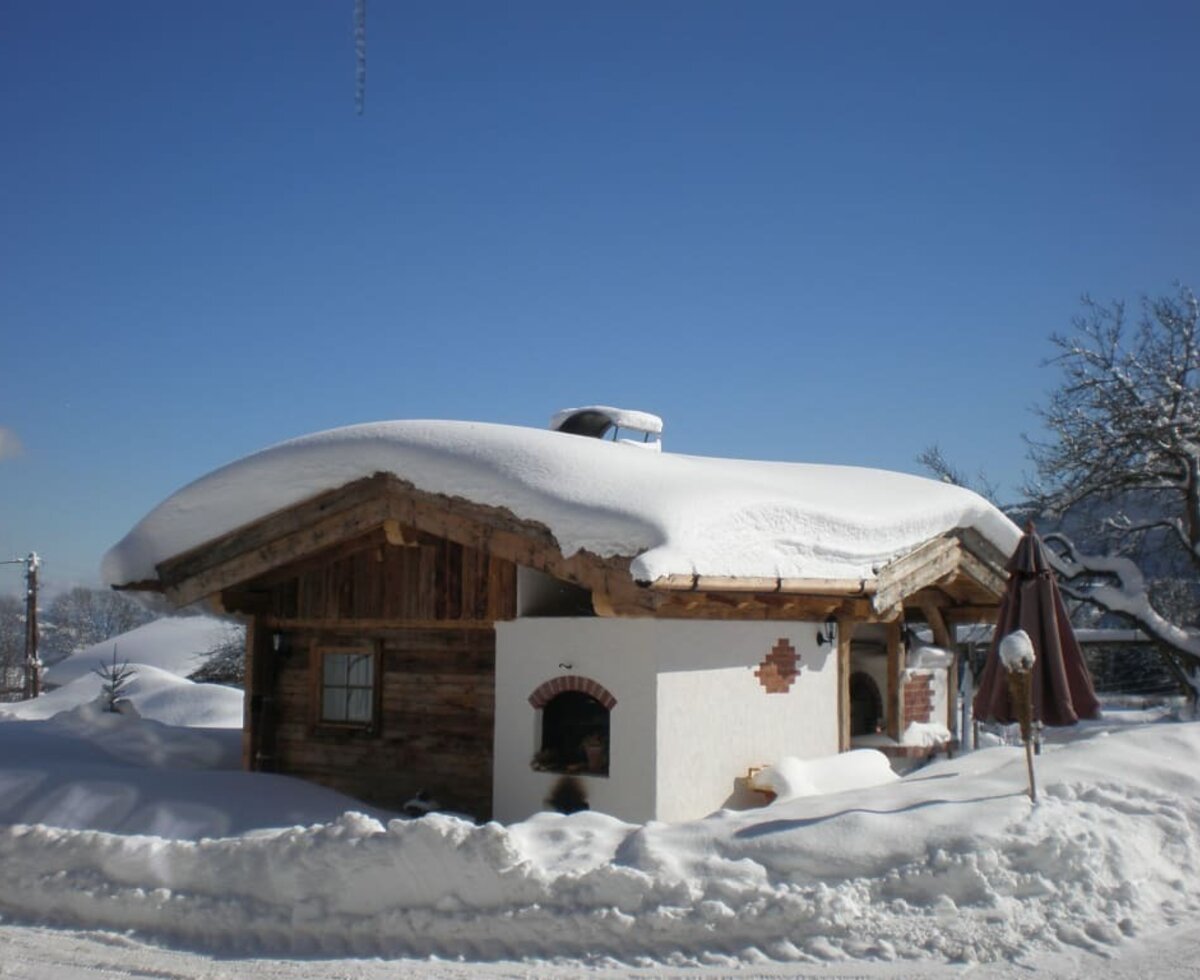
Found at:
(116, 678)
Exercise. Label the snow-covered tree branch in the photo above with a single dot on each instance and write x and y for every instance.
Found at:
(1125, 438)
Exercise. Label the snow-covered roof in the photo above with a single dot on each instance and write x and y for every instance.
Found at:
(679, 515)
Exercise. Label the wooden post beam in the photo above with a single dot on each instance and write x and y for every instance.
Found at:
(895, 672)
(845, 635)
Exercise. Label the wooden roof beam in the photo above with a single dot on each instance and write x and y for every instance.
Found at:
(912, 572)
(788, 586)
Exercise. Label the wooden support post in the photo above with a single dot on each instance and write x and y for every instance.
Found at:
(845, 628)
(248, 712)
(258, 656)
(895, 671)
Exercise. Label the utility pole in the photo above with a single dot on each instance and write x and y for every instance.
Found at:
(33, 679)
(33, 665)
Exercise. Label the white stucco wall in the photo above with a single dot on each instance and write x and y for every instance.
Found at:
(715, 718)
(613, 653)
(690, 717)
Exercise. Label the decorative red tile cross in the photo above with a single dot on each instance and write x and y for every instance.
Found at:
(779, 668)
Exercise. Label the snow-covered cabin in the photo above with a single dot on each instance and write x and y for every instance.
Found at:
(479, 611)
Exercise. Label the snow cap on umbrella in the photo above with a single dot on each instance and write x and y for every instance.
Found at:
(1016, 651)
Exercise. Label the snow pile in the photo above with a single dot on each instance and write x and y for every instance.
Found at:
(929, 658)
(925, 734)
(951, 864)
(156, 694)
(677, 514)
(175, 644)
(91, 770)
(791, 777)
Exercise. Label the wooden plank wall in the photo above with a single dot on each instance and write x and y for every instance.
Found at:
(428, 606)
(434, 732)
(430, 579)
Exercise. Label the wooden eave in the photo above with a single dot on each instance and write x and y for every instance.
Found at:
(960, 567)
(383, 501)
(957, 569)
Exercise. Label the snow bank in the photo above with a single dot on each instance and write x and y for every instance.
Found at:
(929, 658)
(950, 864)
(91, 770)
(925, 734)
(791, 777)
(175, 644)
(677, 514)
(156, 694)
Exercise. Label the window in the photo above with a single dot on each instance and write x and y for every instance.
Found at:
(348, 686)
(574, 735)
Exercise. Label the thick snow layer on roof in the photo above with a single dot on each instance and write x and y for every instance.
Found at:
(678, 514)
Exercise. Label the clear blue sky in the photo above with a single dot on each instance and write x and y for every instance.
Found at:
(835, 232)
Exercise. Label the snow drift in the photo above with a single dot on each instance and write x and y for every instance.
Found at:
(950, 864)
(158, 695)
(175, 644)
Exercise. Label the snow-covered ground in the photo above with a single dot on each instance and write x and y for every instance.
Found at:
(126, 841)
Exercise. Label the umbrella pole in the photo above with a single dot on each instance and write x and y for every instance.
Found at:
(1020, 692)
(1029, 763)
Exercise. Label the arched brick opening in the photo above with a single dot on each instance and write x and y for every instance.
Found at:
(574, 725)
(543, 694)
(866, 704)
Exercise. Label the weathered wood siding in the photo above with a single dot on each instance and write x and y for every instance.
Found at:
(433, 731)
(431, 579)
(427, 607)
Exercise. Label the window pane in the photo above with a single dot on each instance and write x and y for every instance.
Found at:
(335, 668)
(333, 704)
(358, 706)
(359, 674)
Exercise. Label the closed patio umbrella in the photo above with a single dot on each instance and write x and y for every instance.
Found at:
(1062, 686)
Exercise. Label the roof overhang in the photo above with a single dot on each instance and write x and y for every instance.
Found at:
(961, 563)
(380, 502)
(957, 569)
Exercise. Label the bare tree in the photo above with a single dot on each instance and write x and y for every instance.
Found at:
(225, 661)
(82, 617)
(1125, 426)
(12, 644)
(933, 460)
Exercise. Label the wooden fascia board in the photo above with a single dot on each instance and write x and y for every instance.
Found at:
(269, 555)
(387, 502)
(963, 552)
(783, 586)
(502, 534)
(984, 550)
(984, 574)
(914, 571)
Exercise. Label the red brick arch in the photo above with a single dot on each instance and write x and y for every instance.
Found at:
(544, 693)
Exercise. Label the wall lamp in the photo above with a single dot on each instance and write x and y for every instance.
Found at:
(828, 632)
(279, 643)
